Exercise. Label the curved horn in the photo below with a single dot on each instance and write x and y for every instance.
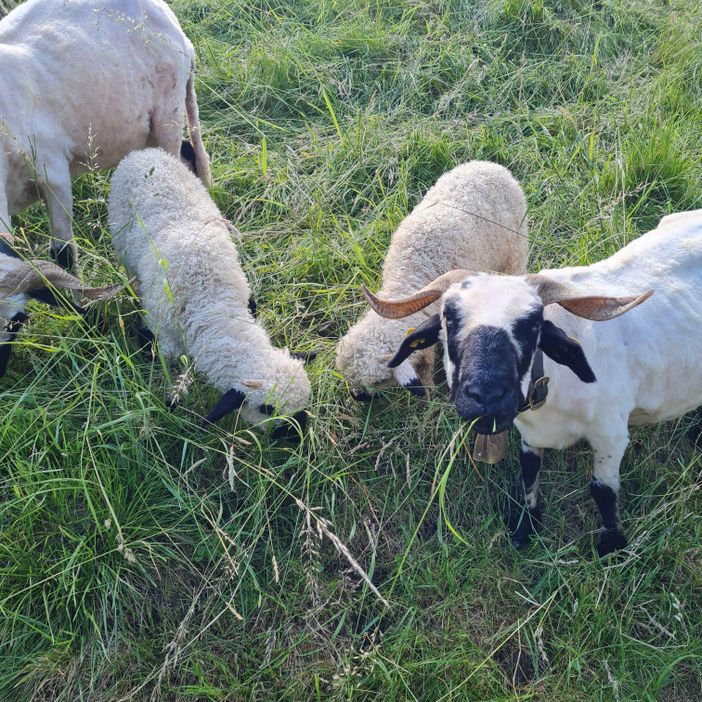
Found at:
(598, 308)
(395, 309)
(23, 276)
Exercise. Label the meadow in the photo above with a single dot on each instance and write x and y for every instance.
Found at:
(143, 557)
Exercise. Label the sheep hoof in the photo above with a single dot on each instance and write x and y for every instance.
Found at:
(64, 255)
(610, 540)
(528, 524)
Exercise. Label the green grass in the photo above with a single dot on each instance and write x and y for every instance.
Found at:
(142, 556)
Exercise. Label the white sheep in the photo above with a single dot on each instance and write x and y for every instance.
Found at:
(641, 368)
(474, 216)
(81, 85)
(169, 234)
(21, 280)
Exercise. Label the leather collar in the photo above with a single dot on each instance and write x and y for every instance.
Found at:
(538, 384)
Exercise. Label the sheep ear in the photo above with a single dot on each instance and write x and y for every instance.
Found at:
(424, 336)
(598, 308)
(406, 375)
(230, 401)
(557, 345)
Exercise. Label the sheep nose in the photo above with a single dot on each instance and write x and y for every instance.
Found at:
(486, 395)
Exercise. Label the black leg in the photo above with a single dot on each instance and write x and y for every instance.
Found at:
(230, 401)
(64, 255)
(611, 537)
(604, 489)
(530, 517)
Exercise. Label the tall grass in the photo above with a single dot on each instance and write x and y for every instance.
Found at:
(144, 557)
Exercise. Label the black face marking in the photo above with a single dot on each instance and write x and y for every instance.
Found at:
(557, 345)
(424, 336)
(64, 256)
(12, 327)
(7, 249)
(187, 153)
(526, 333)
(486, 384)
(452, 317)
(47, 296)
(287, 431)
(361, 395)
(230, 401)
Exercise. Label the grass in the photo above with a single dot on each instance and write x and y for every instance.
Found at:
(143, 557)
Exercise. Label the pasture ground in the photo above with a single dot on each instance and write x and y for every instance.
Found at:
(143, 557)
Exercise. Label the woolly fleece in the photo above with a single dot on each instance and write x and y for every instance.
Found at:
(474, 217)
(169, 233)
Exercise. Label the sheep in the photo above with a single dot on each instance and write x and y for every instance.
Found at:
(170, 235)
(474, 216)
(21, 280)
(81, 85)
(640, 368)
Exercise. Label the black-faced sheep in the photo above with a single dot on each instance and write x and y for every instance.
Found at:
(81, 85)
(475, 217)
(640, 368)
(169, 234)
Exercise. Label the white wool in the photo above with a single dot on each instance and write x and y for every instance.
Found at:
(169, 233)
(81, 85)
(474, 217)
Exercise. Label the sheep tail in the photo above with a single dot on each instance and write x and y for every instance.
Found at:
(202, 160)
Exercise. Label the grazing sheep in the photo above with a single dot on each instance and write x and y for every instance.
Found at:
(81, 85)
(21, 280)
(474, 216)
(171, 236)
(646, 363)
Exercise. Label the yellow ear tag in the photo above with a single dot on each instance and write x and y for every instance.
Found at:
(410, 330)
(416, 343)
(574, 340)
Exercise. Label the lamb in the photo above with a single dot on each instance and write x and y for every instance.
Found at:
(81, 85)
(474, 216)
(169, 234)
(641, 368)
(21, 280)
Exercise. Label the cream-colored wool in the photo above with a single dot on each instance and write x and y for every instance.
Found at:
(474, 217)
(83, 83)
(169, 233)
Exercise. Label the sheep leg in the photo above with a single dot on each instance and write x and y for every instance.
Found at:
(530, 517)
(56, 191)
(604, 489)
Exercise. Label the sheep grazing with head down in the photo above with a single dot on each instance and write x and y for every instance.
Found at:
(21, 280)
(474, 216)
(83, 83)
(169, 234)
(640, 368)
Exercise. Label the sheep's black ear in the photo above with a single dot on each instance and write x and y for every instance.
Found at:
(230, 401)
(425, 335)
(557, 345)
(187, 153)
